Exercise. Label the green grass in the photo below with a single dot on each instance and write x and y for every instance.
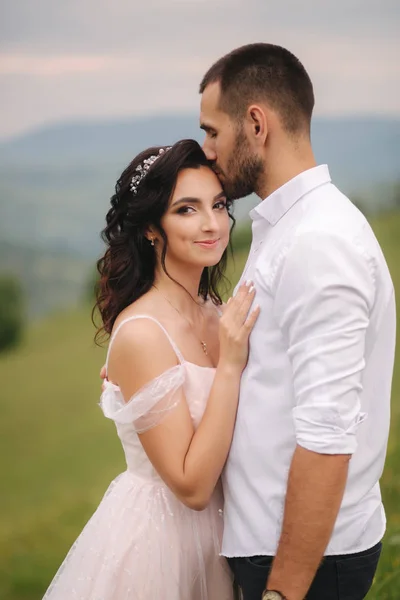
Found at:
(58, 454)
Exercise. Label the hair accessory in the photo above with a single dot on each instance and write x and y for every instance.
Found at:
(143, 168)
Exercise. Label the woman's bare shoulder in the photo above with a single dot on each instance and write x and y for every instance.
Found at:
(141, 351)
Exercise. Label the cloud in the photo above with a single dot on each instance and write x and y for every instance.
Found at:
(42, 65)
(54, 66)
(62, 60)
(125, 24)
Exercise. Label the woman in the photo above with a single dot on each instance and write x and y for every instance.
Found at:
(173, 374)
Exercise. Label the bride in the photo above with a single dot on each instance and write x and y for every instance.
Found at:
(173, 373)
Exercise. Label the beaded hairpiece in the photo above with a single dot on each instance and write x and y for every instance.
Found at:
(144, 167)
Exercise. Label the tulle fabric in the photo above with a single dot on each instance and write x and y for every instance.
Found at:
(149, 406)
(142, 543)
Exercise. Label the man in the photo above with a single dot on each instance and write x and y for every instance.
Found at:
(303, 512)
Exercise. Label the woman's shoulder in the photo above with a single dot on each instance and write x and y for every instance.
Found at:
(140, 349)
(139, 334)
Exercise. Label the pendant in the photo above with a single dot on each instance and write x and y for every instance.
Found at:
(204, 346)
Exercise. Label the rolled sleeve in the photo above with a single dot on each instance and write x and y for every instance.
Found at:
(323, 295)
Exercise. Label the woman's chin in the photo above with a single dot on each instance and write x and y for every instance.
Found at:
(203, 264)
(208, 258)
(212, 262)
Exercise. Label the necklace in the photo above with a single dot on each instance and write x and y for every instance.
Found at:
(202, 342)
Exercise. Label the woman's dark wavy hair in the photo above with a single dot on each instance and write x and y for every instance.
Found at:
(127, 268)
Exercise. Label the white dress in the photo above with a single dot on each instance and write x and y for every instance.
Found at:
(142, 543)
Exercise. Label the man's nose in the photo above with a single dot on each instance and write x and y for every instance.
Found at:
(209, 151)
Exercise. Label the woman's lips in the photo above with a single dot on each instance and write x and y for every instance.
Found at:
(208, 243)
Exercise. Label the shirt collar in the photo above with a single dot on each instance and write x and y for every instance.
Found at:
(279, 202)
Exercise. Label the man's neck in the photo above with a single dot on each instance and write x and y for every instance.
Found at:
(283, 166)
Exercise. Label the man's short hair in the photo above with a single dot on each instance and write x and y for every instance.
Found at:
(264, 72)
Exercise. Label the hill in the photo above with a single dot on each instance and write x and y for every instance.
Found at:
(55, 182)
(359, 149)
(56, 279)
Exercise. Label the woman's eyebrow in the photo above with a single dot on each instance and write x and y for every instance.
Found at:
(186, 199)
(194, 200)
(220, 195)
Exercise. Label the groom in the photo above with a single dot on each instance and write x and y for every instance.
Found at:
(303, 511)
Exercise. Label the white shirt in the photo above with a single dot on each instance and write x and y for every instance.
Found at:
(320, 365)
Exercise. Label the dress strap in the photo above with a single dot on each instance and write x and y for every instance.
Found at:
(134, 318)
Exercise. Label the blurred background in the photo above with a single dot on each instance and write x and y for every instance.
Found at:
(83, 87)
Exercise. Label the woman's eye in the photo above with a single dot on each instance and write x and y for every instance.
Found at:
(185, 210)
(221, 205)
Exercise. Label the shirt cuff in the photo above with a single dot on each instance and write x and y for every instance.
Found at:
(322, 429)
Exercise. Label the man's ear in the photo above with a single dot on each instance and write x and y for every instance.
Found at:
(257, 124)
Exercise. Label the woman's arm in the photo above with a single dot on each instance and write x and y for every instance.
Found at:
(189, 461)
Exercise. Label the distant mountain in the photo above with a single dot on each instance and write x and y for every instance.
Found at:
(55, 182)
(96, 142)
(358, 149)
(67, 171)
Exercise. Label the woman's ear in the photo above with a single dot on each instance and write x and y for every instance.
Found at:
(151, 236)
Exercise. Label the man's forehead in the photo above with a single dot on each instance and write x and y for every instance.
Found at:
(212, 122)
(211, 95)
(210, 111)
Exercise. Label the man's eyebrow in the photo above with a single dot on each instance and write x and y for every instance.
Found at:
(206, 128)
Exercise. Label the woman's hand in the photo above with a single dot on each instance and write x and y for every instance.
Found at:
(235, 327)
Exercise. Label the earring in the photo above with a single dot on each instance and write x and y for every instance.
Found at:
(152, 241)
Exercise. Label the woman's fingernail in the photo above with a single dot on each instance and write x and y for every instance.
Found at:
(251, 289)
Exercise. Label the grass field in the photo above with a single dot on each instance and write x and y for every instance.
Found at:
(58, 453)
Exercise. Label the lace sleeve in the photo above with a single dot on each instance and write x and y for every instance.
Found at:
(149, 405)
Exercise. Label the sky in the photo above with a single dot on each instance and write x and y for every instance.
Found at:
(79, 59)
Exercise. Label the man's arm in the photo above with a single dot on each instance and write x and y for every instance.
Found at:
(314, 494)
(323, 294)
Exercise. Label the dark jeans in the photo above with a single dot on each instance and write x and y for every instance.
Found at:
(343, 577)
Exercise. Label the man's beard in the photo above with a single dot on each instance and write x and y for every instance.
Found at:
(244, 170)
